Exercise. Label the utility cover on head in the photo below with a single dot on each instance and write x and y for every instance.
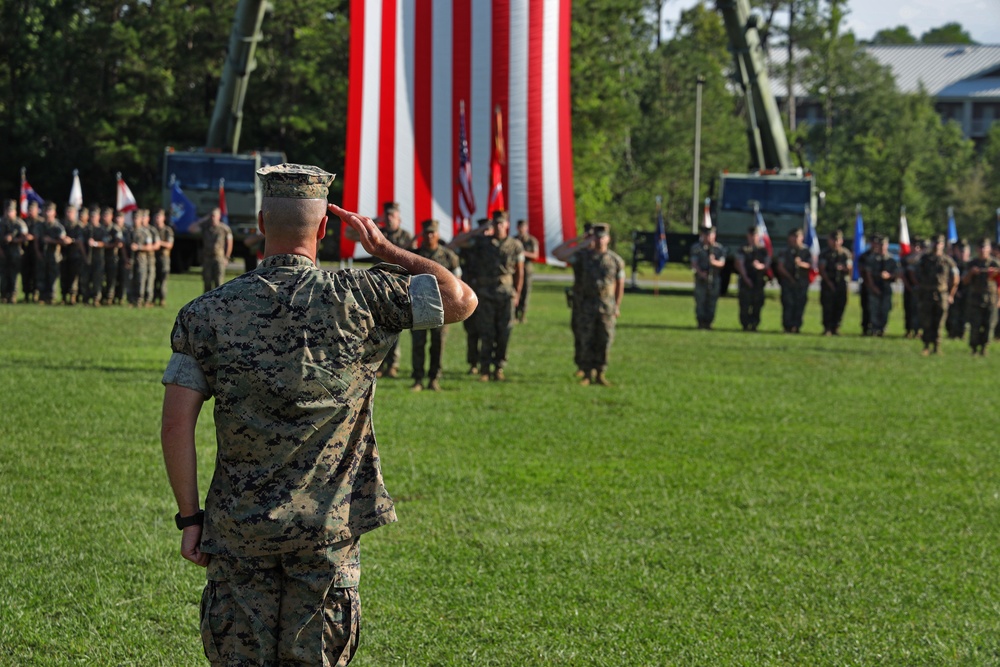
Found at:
(295, 181)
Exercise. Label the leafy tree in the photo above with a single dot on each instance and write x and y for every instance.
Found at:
(949, 33)
(892, 36)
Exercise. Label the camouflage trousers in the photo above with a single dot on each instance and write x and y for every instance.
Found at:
(160, 279)
(981, 312)
(298, 608)
(912, 310)
(933, 310)
(794, 297)
(494, 320)
(69, 274)
(866, 315)
(956, 316)
(436, 336)
(706, 295)
(46, 274)
(751, 303)
(834, 302)
(596, 324)
(523, 295)
(471, 339)
(213, 272)
(10, 267)
(879, 306)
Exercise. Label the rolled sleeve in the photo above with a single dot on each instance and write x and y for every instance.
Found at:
(184, 371)
(425, 301)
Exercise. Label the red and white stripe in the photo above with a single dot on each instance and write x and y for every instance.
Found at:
(413, 61)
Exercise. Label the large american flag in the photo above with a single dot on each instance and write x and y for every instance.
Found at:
(413, 61)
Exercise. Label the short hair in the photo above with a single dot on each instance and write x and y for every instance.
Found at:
(500, 216)
(390, 207)
(837, 234)
(753, 229)
(296, 217)
(795, 232)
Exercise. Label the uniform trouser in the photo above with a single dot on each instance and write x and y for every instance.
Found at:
(213, 272)
(8, 278)
(28, 278)
(879, 306)
(834, 301)
(47, 272)
(160, 280)
(69, 274)
(471, 339)
(597, 332)
(574, 324)
(110, 276)
(956, 316)
(933, 313)
(866, 315)
(140, 292)
(982, 316)
(793, 304)
(751, 303)
(296, 608)
(493, 321)
(124, 284)
(149, 279)
(522, 297)
(911, 309)
(420, 337)
(706, 294)
(95, 287)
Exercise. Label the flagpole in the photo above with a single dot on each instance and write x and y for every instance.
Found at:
(656, 274)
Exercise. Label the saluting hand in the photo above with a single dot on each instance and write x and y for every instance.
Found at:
(371, 237)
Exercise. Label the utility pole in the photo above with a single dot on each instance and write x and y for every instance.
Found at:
(697, 155)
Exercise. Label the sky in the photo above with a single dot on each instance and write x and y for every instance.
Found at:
(980, 18)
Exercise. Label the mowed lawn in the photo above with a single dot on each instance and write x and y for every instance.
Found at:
(733, 499)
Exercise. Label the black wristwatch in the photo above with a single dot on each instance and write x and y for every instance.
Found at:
(196, 519)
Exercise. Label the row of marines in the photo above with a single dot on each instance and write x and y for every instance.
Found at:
(940, 289)
(95, 256)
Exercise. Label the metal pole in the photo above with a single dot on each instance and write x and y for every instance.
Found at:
(697, 156)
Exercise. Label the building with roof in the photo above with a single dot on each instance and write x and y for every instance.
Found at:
(964, 81)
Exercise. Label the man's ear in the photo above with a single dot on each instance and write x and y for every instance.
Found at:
(260, 222)
(321, 232)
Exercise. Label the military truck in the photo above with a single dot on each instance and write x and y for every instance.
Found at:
(782, 192)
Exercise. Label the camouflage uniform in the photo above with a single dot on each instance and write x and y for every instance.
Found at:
(497, 262)
(29, 262)
(126, 262)
(912, 297)
(13, 253)
(114, 237)
(752, 296)
(879, 304)
(866, 322)
(72, 264)
(981, 303)
(794, 292)
(468, 266)
(166, 234)
(706, 290)
(955, 322)
(834, 301)
(448, 260)
(214, 240)
(142, 267)
(574, 315)
(530, 244)
(599, 273)
(401, 239)
(289, 353)
(47, 269)
(935, 277)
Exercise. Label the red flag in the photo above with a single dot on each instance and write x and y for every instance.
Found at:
(498, 158)
(27, 195)
(222, 201)
(904, 234)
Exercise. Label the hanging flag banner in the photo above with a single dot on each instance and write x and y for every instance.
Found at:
(904, 234)
(222, 201)
(413, 62)
(859, 245)
(465, 204)
(76, 191)
(182, 209)
(27, 195)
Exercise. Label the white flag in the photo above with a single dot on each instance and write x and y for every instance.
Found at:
(76, 192)
(125, 202)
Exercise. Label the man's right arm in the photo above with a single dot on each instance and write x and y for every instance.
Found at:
(457, 299)
(181, 407)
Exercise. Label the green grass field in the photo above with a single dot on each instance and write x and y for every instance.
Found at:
(733, 499)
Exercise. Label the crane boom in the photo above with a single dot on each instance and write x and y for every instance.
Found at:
(227, 117)
(765, 130)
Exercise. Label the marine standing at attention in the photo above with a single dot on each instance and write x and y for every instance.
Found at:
(708, 258)
(431, 248)
(834, 270)
(981, 297)
(751, 264)
(601, 282)
(881, 273)
(793, 274)
(289, 352)
(530, 245)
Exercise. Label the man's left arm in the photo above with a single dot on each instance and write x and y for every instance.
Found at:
(181, 407)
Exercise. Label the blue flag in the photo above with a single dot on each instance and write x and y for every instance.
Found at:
(859, 245)
(952, 230)
(661, 254)
(182, 212)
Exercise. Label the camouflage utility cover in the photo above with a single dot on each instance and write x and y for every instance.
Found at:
(290, 352)
(296, 181)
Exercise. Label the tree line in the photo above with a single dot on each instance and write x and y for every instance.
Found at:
(102, 86)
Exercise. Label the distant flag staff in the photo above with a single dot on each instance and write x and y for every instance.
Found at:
(707, 218)
(904, 233)
(497, 160)
(466, 204)
(125, 200)
(952, 229)
(811, 242)
(222, 201)
(765, 238)
(998, 226)
(661, 254)
(859, 244)
(182, 209)
(76, 190)
(28, 194)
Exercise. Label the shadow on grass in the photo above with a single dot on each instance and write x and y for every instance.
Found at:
(77, 367)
